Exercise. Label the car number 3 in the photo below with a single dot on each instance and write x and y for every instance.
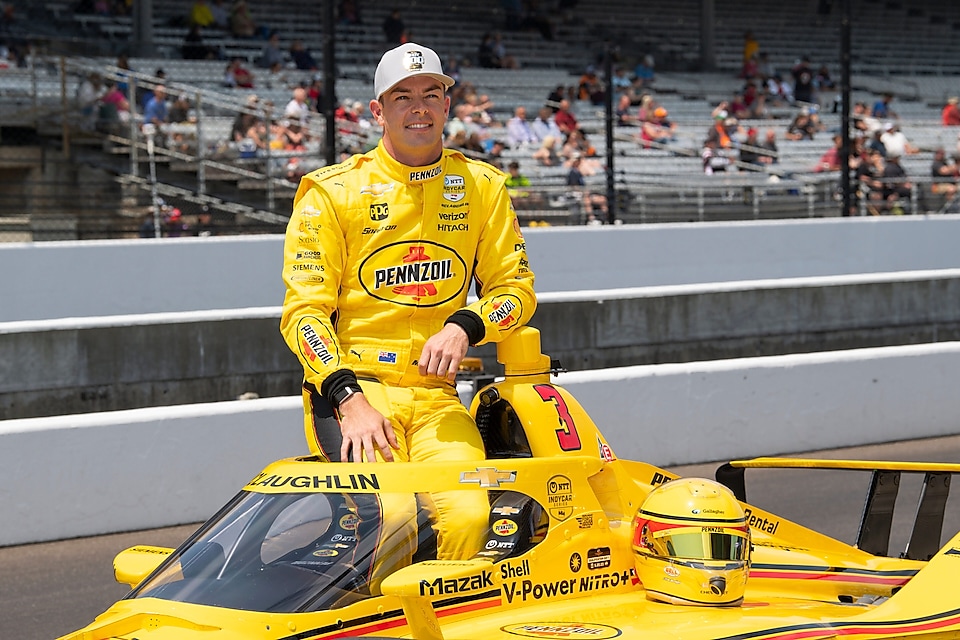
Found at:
(567, 435)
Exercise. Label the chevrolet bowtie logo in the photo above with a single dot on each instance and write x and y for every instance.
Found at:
(488, 477)
(506, 510)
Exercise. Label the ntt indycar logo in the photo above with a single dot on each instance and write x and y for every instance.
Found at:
(415, 273)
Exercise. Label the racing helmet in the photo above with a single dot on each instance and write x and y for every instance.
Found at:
(692, 544)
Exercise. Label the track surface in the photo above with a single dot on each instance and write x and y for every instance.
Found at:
(49, 589)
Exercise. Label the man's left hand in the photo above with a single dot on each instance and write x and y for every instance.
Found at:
(443, 352)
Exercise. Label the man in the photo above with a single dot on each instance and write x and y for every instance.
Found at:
(379, 257)
(155, 108)
(297, 109)
(518, 129)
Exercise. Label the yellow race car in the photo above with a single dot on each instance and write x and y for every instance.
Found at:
(578, 544)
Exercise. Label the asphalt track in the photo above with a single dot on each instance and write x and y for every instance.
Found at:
(49, 589)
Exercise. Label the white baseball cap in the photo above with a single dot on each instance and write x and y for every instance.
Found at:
(404, 62)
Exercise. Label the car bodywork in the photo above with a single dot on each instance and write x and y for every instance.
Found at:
(282, 560)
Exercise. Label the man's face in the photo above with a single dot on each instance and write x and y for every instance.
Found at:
(412, 115)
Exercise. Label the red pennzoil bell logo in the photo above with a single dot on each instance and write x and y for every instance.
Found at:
(422, 273)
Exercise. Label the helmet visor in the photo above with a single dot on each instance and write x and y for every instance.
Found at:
(699, 543)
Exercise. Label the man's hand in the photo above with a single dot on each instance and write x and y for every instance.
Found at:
(364, 430)
(443, 352)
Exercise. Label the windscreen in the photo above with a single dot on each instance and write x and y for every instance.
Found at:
(295, 552)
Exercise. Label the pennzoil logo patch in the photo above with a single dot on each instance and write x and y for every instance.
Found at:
(316, 345)
(414, 273)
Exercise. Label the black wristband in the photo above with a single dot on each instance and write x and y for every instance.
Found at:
(339, 385)
(471, 324)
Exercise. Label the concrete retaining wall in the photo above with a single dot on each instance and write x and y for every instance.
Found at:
(98, 278)
(76, 475)
(82, 365)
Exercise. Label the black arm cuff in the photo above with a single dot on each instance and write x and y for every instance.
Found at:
(336, 382)
(470, 323)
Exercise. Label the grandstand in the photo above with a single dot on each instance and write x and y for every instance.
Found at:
(909, 49)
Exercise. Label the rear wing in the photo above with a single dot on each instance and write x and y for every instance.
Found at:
(876, 521)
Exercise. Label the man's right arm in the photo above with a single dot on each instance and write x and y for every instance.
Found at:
(313, 262)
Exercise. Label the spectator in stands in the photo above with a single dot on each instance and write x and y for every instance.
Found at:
(869, 186)
(750, 151)
(713, 158)
(778, 91)
(519, 132)
(548, 154)
(515, 178)
(479, 107)
(754, 103)
(590, 87)
(621, 83)
(719, 133)
(623, 112)
(658, 129)
(950, 116)
(803, 82)
(194, 48)
(577, 146)
(875, 143)
(824, 83)
(751, 48)
(315, 92)
(123, 66)
(944, 173)
(647, 106)
(881, 108)
(830, 160)
(302, 57)
(804, 126)
(590, 201)
(565, 119)
(644, 73)
(394, 30)
(236, 75)
(497, 147)
(555, 96)
(297, 110)
(155, 111)
(221, 15)
(492, 53)
(200, 14)
(863, 123)
(895, 142)
(271, 54)
(180, 109)
(204, 227)
(245, 119)
(242, 24)
(461, 122)
(114, 106)
(770, 154)
(544, 125)
(88, 96)
(897, 188)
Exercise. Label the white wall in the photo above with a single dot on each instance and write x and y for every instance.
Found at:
(98, 278)
(95, 473)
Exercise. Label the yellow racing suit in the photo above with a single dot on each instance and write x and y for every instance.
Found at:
(378, 257)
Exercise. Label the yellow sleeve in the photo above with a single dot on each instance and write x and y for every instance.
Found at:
(507, 299)
(313, 259)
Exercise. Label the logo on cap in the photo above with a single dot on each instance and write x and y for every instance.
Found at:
(413, 60)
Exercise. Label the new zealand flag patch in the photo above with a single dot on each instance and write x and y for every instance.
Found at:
(387, 357)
